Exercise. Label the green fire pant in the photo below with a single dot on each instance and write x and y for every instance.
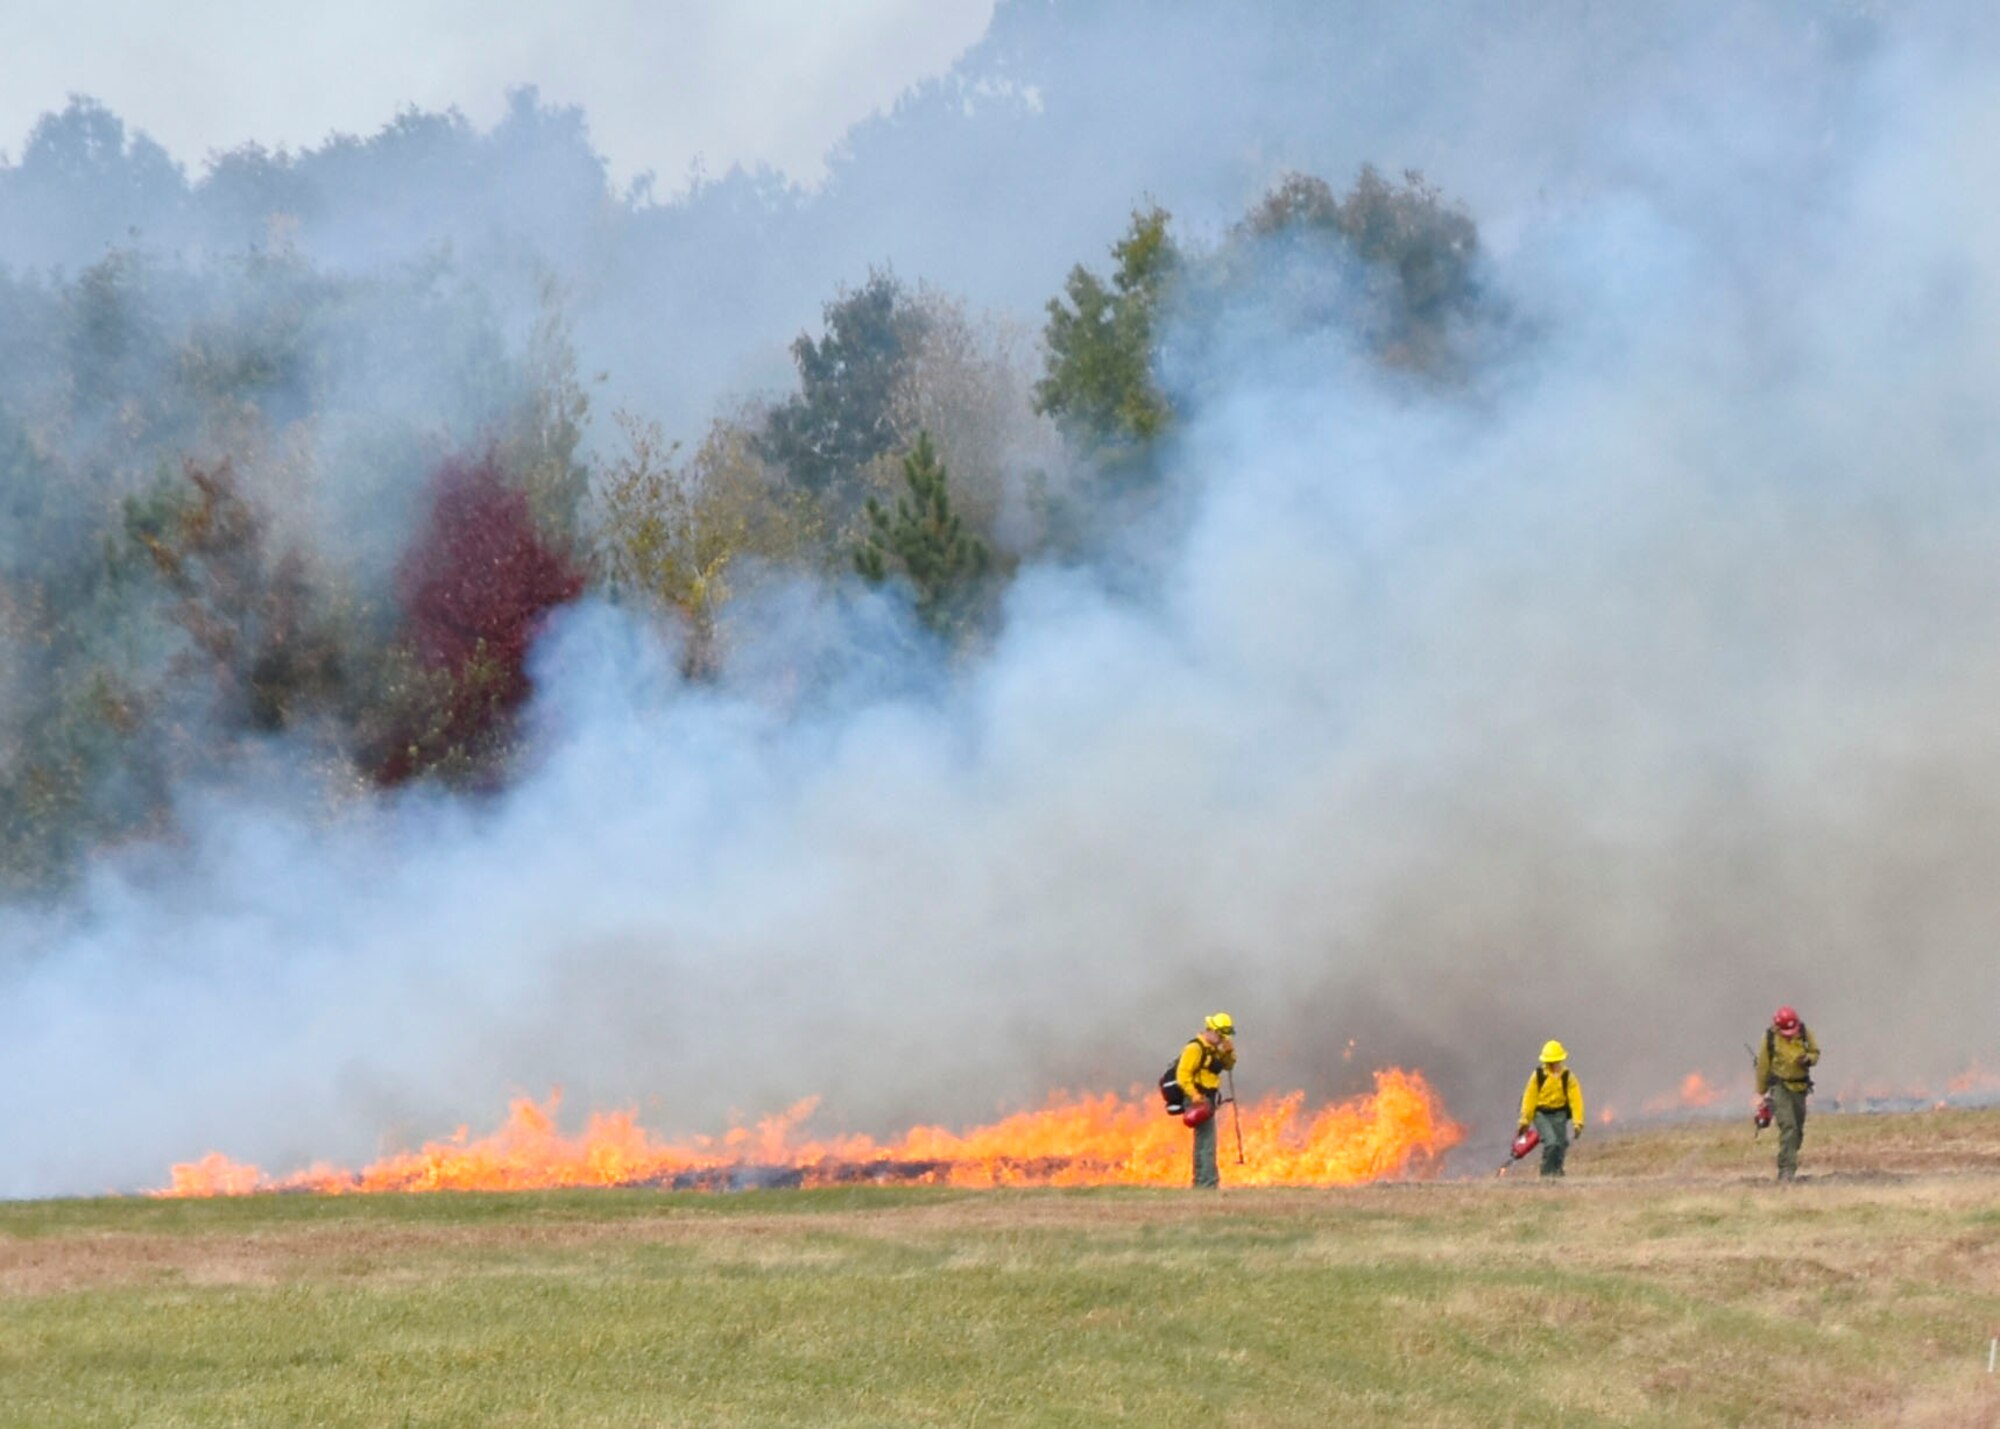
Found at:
(1789, 1109)
(1205, 1173)
(1553, 1128)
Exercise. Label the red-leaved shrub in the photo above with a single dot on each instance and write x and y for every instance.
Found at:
(475, 589)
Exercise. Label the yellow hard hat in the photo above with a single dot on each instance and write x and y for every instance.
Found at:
(1553, 1052)
(1221, 1022)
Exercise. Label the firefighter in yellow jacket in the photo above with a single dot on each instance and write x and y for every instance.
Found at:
(1553, 1105)
(1784, 1078)
(1208, 1054)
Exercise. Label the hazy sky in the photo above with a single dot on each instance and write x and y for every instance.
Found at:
(665, 82)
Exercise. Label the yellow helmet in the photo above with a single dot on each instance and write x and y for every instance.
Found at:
(1553, 1052)
(1221, 1022)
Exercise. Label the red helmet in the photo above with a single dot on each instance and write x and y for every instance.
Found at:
(1785, 1020)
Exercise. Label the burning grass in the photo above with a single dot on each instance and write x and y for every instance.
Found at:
(1650, 1289)
(1398, 1130)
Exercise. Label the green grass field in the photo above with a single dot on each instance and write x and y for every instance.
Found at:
(1666, 1283)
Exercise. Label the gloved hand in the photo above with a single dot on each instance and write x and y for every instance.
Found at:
(1576, 1131)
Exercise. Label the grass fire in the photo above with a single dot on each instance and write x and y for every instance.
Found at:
(838, 582)
(1398, 1131)
(1667, 1281)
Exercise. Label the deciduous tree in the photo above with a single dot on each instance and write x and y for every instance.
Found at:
(1419, 254)
(545, 439)
(680, 534)
(1100, 383)
(256, 632)
(476, 588)
(971, 387)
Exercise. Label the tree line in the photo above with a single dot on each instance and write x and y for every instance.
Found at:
(253, 502)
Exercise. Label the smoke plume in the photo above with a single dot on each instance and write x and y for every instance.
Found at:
(1627, 688)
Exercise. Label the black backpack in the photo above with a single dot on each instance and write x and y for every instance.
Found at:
(1171, 1090)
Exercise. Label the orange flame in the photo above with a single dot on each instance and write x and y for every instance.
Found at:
(1695, 1091)
(1975, 1086)
(1975, 1080)
(1398, 1130)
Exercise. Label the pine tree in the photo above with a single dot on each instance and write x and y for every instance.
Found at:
(923, 542)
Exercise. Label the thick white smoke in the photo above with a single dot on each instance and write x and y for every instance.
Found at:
(1639, 686)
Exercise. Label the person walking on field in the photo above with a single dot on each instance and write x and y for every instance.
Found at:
(1784, 1079)
(1208, 1054)
(1553, 1105)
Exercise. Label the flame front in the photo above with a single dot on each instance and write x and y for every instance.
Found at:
(1696, 1092)
(1398, 1130)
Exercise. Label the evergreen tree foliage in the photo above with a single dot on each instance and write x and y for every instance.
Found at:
(1100, 384)
(841, 418)
(923, 542)
(221, 400)
(208, 470)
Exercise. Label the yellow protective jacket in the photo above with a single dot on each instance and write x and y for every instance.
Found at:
(1788, 1060)
(1201, 1068)
(1552, 1091)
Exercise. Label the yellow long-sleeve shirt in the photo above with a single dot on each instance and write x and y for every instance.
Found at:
(1552, 1091)
(1786, 1059)
(1201, 1066)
